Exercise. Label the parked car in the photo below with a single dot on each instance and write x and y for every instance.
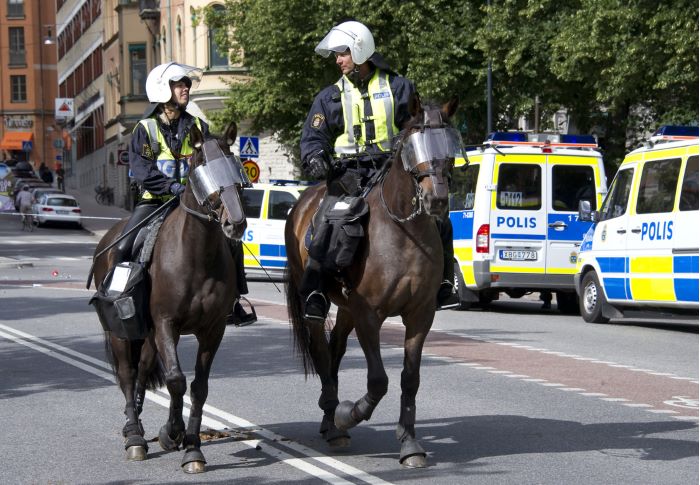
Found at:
(61, 208)
(266, 208)
(4, 170)
(37, 192)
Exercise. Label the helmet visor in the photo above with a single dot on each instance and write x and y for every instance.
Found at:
(431, 144)
(180, 72)
(335, 41)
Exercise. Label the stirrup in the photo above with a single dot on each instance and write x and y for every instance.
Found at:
(313, 310)
(447, 300)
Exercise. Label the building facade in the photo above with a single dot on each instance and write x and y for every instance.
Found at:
(105, 49)
(28, 83)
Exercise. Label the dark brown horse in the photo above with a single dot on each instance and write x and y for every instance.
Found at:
(397, 271)
(193, 284)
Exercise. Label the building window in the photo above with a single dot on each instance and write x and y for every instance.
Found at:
(18, 89)
(15, 8)
(17, 52)
(217, 59)
(137, 56)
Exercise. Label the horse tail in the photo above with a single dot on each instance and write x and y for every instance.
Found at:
(302, 336)
(155, 378)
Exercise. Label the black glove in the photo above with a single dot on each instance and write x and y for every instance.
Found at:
(177, 188)
(318, 168)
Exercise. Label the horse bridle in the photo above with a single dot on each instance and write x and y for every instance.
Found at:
(431, 119)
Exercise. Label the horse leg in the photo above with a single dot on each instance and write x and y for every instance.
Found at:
(122, 353)
(193, 461)
(328, 401)
(172, 432)
(417, 326)
(348, 414)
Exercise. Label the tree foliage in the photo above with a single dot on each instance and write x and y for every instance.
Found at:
(619, 67)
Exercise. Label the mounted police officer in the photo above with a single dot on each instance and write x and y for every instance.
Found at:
(347, 137)
(159, 153)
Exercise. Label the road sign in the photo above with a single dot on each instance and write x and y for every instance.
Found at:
(64, 109)
(123, 157)
(27, 146)
(250, 147)
(252, 170)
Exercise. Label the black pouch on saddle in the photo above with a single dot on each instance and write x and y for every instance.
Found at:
(336, 239)
(121, 302)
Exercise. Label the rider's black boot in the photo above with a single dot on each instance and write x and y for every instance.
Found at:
(311, 290)
(239, 317)
(122, 251)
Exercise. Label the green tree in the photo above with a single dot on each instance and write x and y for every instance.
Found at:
(618, 67)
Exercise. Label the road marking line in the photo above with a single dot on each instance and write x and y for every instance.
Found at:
(533, 379)
(571, 389)
(614, 399)
(32, 342)
(593, 394)
(637, 405)
(661, 411)
(551, 384)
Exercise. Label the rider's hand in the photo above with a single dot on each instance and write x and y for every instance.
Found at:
(177, 188)
(318, 168)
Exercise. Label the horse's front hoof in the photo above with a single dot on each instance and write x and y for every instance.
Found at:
(193, 461)
(193, 467)
(136, 453)
(343, 416)
(168, 443)
(415, 461)
(412, 454)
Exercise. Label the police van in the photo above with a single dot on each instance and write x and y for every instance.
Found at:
(642, 252)
(266, 207)
(514, 212)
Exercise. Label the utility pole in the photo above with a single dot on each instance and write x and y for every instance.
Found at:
(489, 112)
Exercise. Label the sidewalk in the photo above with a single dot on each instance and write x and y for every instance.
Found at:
(96, 218)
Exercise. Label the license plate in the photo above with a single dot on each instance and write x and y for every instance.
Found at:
(61, 213)
(515, 255)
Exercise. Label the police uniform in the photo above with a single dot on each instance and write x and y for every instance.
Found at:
(156, 164)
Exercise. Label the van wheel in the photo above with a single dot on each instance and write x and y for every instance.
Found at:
(567, 303)
(459, 286)
(592, 299)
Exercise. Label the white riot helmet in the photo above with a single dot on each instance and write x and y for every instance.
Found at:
(348, 35)
(158, 80)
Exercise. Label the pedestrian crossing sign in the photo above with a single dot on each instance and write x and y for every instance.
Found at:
(250, 146)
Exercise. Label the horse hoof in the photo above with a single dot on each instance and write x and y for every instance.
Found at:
(168, 443)
(343, 416)
(193, 467)
(136, 453)
(415, 461)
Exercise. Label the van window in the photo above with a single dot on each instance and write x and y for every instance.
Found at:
(252, 202)
(519, 186)
(657, 188)
(615, 204)
(571, 183)
(280, 203)
(689, 189)
(463, 188)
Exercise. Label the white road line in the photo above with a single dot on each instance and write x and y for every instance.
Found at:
(57, 351)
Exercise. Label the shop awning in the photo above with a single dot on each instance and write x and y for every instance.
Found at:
(12, 140)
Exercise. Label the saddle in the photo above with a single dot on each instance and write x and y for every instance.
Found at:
(121, 300)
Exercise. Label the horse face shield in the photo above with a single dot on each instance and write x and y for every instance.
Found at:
(218, 180)
(431, 152)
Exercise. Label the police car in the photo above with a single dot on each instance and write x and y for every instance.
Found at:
(642, 252)
(266, 207)
(514, 212)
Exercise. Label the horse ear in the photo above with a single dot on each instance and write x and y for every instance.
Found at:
(230, 133)
(196, 136)
(414, 105)
(450, 108)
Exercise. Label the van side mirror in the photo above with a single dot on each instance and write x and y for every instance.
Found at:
(585, 213)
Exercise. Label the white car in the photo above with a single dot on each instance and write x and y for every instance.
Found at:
(61, 208)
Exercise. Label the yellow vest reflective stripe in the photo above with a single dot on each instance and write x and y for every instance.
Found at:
(165, 159)
(382, 104)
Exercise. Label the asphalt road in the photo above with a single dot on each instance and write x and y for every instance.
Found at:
(514, 394)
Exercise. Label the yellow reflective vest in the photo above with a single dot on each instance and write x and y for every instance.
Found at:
(165, 159)
(354, 138)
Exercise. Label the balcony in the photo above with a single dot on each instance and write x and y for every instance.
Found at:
(149, 9)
